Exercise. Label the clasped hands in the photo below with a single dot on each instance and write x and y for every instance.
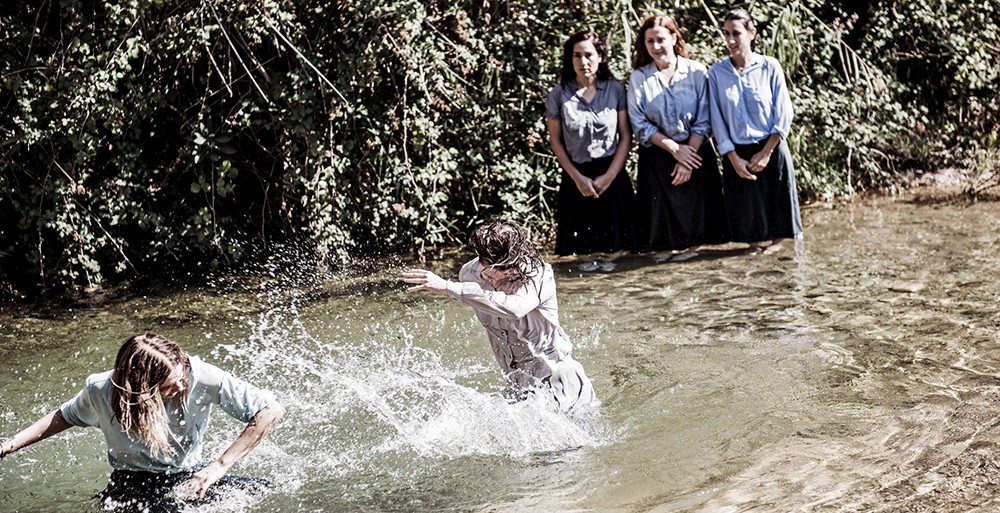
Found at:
(687, 161)
(756, 164)
(593, 187)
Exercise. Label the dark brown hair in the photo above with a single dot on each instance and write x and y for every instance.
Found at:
(741, 15)
(568, 73)
(640, 56)
(506, 246)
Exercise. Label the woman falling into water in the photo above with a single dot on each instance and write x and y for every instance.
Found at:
(513, 293)
(751, 118)
(153, 409)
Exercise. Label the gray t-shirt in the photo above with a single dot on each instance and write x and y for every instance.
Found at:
(208, 385)
(589, 129)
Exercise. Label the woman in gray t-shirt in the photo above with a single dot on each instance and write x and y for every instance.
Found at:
(590, 136)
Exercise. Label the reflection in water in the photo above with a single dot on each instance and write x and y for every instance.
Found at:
(855, 372)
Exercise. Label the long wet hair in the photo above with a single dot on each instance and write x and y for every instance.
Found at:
(143, 364)
(568, 73)
(506, 246)
(640, 56)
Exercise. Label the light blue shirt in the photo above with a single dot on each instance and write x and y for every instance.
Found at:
(589, 129)
(678, 110)
(208, 385)
(747, 107)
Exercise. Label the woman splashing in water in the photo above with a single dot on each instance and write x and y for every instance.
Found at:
(513, 293)
(153, 409)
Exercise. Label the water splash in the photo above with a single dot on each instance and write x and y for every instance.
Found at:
(358, 404)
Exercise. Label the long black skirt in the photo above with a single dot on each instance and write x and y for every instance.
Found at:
(591, 225)
(150, 492)
(767, 208)
(682, 216)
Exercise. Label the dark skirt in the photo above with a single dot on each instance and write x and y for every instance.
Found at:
(153, 492)
(592, 225)
(765, 209)
(679, 217)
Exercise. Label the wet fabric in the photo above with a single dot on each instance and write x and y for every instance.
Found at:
(765, 209)
(571, 387)
(151, 492)
(208, 385)
(677, 217)
(591, 225)
(522, 324)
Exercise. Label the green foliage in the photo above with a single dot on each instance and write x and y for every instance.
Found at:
(142, 135)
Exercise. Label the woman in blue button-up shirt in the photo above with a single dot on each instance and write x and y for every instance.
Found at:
(751, 117)
(590, 137)
(678, 179)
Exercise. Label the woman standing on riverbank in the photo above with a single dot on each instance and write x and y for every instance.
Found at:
(751, 118)
(590, 137)
(153, 409)
(680, 203)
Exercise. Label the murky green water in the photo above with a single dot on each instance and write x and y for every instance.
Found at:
(859, 372)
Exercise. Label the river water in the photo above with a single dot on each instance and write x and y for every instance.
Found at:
(859, 371)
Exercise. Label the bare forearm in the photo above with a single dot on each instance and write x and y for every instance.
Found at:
(696, 141)
(664, 142)
(49, 425)
(772, 143)
(252, 434)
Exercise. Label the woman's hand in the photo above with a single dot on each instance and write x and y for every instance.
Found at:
(425, 280)
(586, 187)
(601, 183)
(759, 161)
(687, 156)
(740, 166)
(4, 449)
(195, 487)
(681, 174)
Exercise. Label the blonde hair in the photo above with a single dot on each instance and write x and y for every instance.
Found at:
(143, 364)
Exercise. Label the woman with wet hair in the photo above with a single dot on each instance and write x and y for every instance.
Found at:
(589, 134)
(153, 409)
(678, 184)
(513, 293)
(751, 119)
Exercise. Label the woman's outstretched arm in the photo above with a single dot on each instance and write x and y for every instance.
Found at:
(49, 425)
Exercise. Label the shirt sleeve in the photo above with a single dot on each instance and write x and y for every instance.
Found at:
(702, 124)
(720, 128)
(239, 399)
(621, 100)
(81, 411)
(641, 126)
(552, 101)
(512, 306)
(781, 110)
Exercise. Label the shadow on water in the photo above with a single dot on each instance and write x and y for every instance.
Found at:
(856, 372)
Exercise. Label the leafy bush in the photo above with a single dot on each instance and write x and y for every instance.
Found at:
(144, 135)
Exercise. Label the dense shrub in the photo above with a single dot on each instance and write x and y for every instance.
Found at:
(143, 135)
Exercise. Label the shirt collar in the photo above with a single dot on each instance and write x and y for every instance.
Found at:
(683, 67)
(754, 61)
